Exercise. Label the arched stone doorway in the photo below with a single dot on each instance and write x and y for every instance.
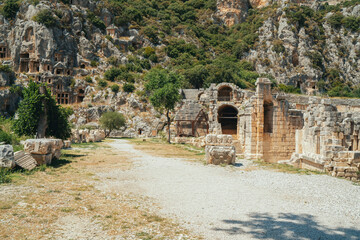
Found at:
(227, 117)
(225, 93)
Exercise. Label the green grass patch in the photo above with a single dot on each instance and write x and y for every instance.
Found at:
(286, 168)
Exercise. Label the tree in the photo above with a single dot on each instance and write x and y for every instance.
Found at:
(164, 87)
(10, 9)
(112, 121)
(39, 115)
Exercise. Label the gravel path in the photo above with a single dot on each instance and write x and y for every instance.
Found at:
(230, 203)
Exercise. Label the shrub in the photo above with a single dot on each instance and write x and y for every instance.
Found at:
(335, 20)
(10, 8)
(115, 88)
(88, 79)
(128, 87)
(148, 51)
(289, 89)
(352, 23)
(316, 59)
(5, 68)
(45, 17)
(152, 33)
(102, 83)
(113, 73)
(278, 46)
(96, 21)
(94, 63)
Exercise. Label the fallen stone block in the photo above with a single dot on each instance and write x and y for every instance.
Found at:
(25, 160)
(220, 154)
(6, 156)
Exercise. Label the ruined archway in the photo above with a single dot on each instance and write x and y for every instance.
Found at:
(225, 93)
(227, 117)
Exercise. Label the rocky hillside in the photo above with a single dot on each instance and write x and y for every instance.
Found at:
(97, 52)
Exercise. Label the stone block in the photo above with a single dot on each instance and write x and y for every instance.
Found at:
(7, 156)
(67, 144)
(219, 139)
(220, 154)
(43, 150)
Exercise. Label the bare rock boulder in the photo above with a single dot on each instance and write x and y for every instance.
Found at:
(6, 156)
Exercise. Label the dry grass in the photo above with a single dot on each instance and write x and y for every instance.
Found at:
(157, 147)
(55, 202)
(285, 168)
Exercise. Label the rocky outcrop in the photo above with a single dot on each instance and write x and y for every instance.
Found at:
(6, 156)
(232, 12)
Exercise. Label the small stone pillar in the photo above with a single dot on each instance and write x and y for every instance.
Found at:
(219, 149)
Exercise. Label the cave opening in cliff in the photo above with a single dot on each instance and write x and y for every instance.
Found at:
(227, 117)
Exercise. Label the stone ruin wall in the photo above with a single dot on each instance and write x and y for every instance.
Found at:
(315, 133)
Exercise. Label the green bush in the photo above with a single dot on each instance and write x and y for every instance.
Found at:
(335, 20)
(352, 23)
(88, 79)
(278, 46)
(94, 63)
(128, 87)
(96, 21)
(5, 175)
(113, 73)
(316, 59)
(152, 33)
(45, 17)
(5, 68)
(288, 89)
(10, 8)
(115, 88)
(102, 83)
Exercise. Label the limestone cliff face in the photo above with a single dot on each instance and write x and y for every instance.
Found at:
(293, 65)
(232, 12)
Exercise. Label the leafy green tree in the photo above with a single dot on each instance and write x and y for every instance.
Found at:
(196, 76)
(164, 87)
(10, 8)
(110, 121)
(39, 115)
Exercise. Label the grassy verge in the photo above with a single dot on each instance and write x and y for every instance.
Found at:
(286, 168)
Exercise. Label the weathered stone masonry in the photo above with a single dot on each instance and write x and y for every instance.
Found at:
(315, 133)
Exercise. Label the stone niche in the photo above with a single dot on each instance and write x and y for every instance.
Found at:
(219, 149)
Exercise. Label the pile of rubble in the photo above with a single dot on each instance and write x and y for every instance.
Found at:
(36, 152)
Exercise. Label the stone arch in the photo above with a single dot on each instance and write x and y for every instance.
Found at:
(228, 119)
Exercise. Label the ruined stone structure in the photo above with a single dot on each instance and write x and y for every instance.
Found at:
(314, 133)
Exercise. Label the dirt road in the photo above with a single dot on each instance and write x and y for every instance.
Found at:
(231, 203)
